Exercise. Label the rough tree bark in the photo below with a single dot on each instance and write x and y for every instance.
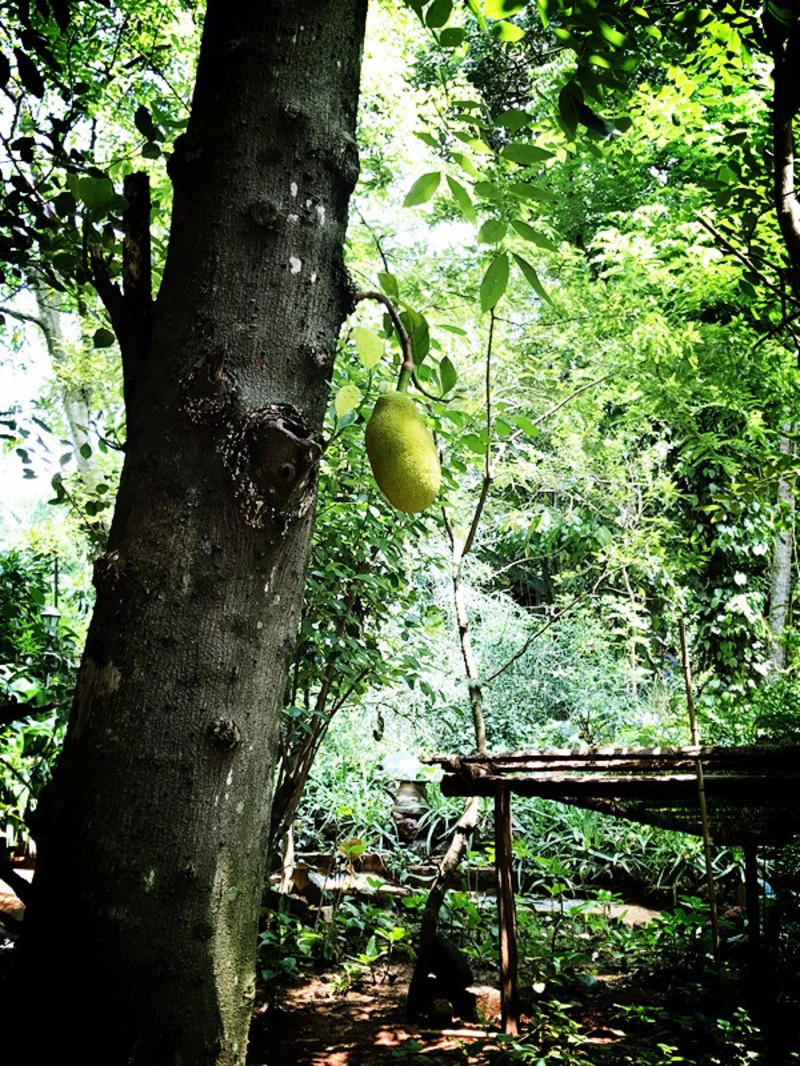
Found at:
(142, 922)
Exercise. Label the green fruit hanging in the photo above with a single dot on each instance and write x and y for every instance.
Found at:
(402, 453)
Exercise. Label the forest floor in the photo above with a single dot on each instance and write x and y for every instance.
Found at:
(310, 1024)
(627, 1020)
(644, 1016)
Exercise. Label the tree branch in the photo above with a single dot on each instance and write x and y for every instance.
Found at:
(22, 316)
(137, 273)
(746, 260)
(785, 43)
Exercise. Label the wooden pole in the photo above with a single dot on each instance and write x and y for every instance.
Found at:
(509, 1004)
(753, 905)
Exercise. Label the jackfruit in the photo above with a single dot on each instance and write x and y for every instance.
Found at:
(402, 453)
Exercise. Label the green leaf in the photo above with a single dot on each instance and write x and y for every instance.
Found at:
(388, 282)
(507, 31)
(447, 374)
(28, 74)
(452, 37)
(494, 282)
(427, 138)
(487, 190)
(532, 278)
(466, 164)
(64, 203)
(614, 37)
(95, 192)
(438, 14)
(501, 9)
(369, 347)
(492, 231)
(526, 191)
(86, 451)
(143, 121)
(525, 153)
(513, 119)
(475, 442)
(462, 199)
(475, 143)
(103, 338)
(347, 399)
(423, 189)
(419, 332)
(528, 233)
(151, 150)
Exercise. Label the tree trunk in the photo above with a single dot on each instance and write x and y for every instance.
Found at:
(781, 566)
(152, 838)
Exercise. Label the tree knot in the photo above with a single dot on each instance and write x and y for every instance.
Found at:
(271, 457)
(225, 734)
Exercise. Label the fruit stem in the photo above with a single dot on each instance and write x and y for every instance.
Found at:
(407, 366)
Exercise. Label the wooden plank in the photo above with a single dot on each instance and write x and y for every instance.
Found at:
(766, 757)
(507, 914)
(735, 788)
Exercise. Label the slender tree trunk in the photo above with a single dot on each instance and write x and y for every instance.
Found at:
(74, 399)
(781, 567)
(448, 866)
(153, 836)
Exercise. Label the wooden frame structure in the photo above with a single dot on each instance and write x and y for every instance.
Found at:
(752, 795)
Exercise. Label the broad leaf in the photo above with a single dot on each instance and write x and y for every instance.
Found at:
(501, 9)
(494, 282)
(462, 199)
(447, 374)
(525, 153)
(347, 399)
(532, 278)
(513, 119)
(507, 31)
(95, 192)
(528, 233)
(492, 231)
(388, 282)
(423, 189)
(438, 13)
(452, 37)
(369, 347)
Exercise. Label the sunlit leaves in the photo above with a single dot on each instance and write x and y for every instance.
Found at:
(388, 283)
(501, 9)
(423, 189)
(507, 31)
(346, 400)
(369, 347)
(462, 199)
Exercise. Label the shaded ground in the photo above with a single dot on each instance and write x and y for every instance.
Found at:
(311, 1025)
